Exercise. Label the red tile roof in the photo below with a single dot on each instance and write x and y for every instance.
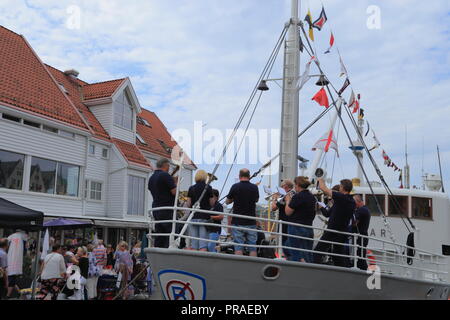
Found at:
(74, 93)
(101, 89)
(131, 153)
(156, 132)
(27, 84)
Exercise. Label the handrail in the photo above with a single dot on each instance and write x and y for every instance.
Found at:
(290, 223)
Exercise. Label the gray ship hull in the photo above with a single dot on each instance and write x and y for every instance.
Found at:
(186, 275)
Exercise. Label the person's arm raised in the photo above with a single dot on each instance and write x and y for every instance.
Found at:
(324, 187)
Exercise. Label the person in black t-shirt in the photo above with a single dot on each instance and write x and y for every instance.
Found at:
(360, 225)
(194, 194)
(244, 195)
(301, 209)
(341, 214)
(163, 189)
(287, 185)
(214, 232)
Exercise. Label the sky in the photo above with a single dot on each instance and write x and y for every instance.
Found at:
(198, 60)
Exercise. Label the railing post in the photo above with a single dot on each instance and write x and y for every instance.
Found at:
(280, 239)
(355, 253)
(174, 216)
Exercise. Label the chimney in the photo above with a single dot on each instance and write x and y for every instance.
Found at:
(72, 73)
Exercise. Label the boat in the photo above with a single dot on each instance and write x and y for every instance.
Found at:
(399, 269)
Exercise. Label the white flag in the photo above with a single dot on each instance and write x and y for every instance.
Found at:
(343, 68)
(304, 78)
(45, 245)
(377, 143)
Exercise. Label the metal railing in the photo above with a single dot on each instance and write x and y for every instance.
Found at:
(390, 257)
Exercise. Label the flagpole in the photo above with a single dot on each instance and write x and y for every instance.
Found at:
(290, 100)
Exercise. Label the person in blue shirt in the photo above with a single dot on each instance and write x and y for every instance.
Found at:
(244, 195)
(163, 189)
(301, 209)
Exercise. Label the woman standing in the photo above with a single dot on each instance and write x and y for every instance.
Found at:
(53, 272)
(194, 194)
(301, 209)
(82, 261)
(93, 274)
(110, 261)
(124, 265)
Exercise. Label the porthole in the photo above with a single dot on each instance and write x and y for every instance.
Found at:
(430, 292)
(271, 272)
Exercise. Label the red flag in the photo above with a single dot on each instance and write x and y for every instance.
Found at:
(329, 140)
(354, 102)
(321, 98)
(331, 43)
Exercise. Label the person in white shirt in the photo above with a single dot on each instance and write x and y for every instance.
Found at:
(53, 271)
(15, 259)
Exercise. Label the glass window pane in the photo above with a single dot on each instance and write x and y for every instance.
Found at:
(42, 175)
(136, 189)
(371, 204)
(67, 183)
(401, 208)
(11, 170)
(422, 208)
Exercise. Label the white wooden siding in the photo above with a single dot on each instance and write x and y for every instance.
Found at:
(104, 114)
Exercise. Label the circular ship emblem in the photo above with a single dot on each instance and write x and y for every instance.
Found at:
(181, 285)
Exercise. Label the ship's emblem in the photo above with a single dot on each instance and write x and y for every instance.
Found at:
(181, 285)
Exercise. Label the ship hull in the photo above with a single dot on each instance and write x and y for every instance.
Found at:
(186, 275)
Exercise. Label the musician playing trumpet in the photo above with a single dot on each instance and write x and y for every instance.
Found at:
(280, 205)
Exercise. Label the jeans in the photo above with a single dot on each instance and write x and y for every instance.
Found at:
(297, 255)
(362, 252)
(198, 231)
(244, 237)
(212, 245)
(163, 241)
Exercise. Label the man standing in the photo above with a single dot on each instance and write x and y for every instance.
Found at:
(361, 224)
(340, 216)
(163, 189)
(3, 268)
(244, 195)
(287, 186)
(15, 259)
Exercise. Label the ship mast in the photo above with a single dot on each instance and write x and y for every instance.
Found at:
(290, 100)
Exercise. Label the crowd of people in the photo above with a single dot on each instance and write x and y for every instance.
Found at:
(57, 268)
(346, 212)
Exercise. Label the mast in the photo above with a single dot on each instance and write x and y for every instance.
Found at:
(290, 101)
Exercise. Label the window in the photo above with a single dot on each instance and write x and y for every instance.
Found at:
(136, 193)
(67, 181)
(49, 129)
(422, 208)
(66, 134)
(92, 149)
(143, 121)
(11, 170)
(140, 139)
(105, 153)
(10, 118)
(31, 124)
(371, 204)
(401, 208)
(93, 190)
(123, 112)
(42, 175)
(63, 88)
(53, 177)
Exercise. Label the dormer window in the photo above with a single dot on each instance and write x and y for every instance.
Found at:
(123, 112)
(165, 146)
(140, 139)
(143, 122)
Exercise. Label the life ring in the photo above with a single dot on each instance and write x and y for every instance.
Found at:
(371, 259)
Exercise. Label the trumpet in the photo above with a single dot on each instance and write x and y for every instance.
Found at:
(282, 199)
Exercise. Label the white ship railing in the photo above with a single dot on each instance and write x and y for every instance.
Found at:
(390, 257)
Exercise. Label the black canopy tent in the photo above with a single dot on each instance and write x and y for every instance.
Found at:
(15, 216)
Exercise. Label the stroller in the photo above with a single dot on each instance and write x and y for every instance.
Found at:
(107, 287)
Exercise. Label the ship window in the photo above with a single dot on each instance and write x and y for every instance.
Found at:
(371, 203)
(400, 209)
(422, 208)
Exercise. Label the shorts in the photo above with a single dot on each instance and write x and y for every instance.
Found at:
(12, 280)
(245, 237)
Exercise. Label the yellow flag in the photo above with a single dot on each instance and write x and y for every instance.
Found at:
(308, 19)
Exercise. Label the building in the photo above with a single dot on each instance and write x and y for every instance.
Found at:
(75, 149)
